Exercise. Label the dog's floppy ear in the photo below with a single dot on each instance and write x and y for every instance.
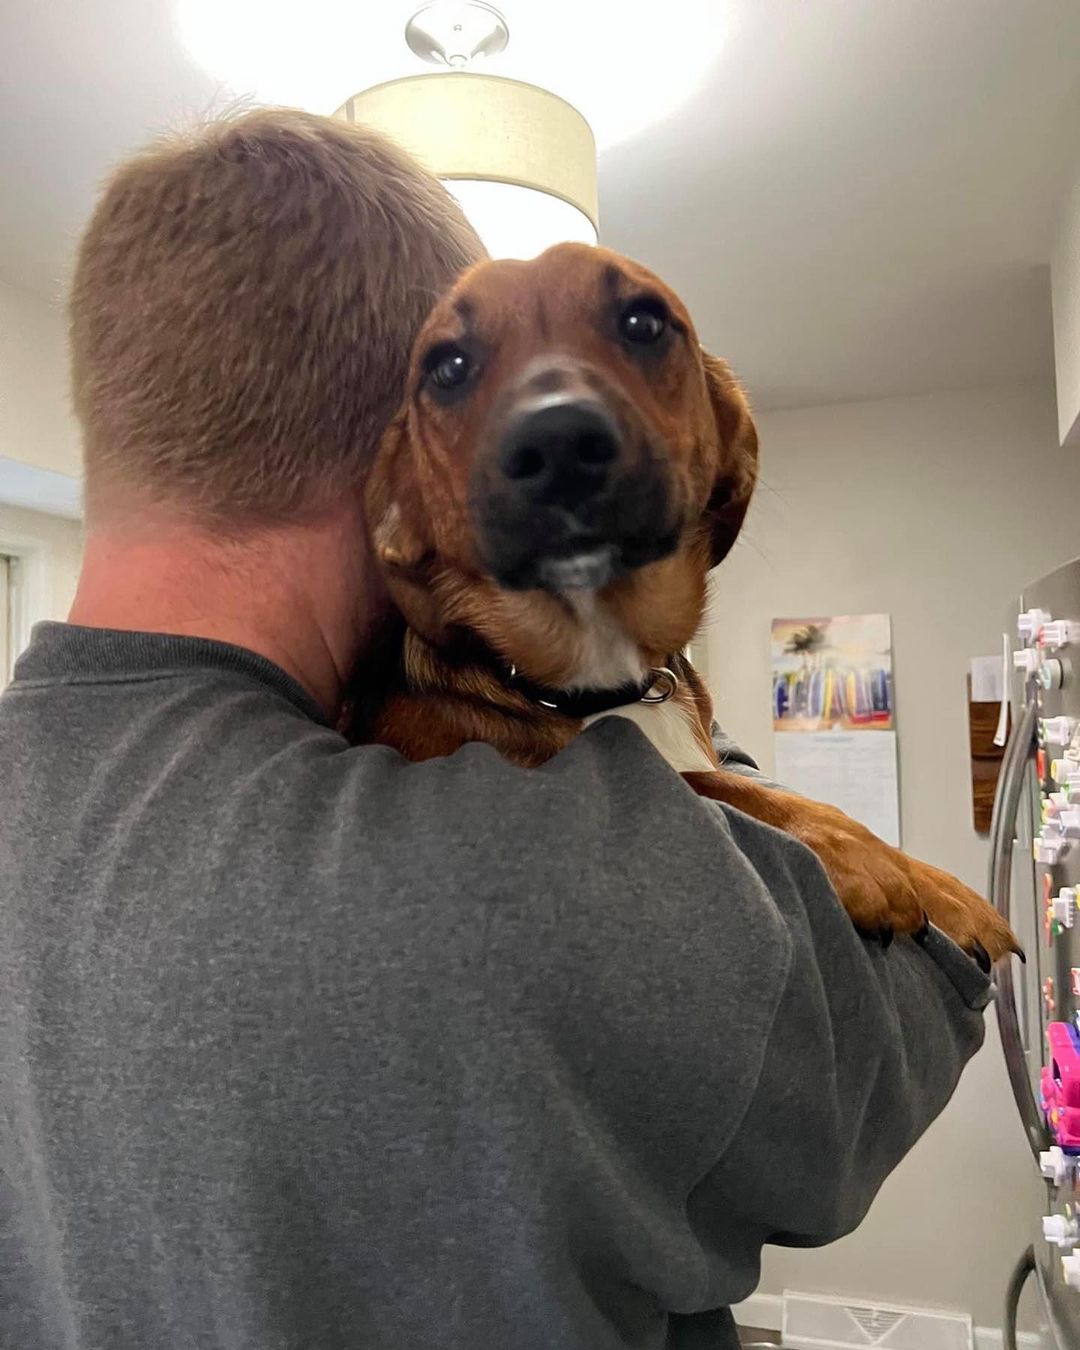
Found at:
(394, 510)
(400, 533)
(738, 455)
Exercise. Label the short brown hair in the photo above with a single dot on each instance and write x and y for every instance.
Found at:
(242, 310)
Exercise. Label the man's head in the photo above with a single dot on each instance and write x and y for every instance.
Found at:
(241, 316)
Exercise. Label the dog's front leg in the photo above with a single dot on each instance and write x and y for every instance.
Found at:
(881, 888)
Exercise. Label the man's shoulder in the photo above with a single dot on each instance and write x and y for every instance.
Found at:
(209, 777)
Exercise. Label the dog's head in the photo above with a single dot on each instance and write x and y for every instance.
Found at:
(567, 459)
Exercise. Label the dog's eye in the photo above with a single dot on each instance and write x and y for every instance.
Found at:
(644, 321)
(448, 366)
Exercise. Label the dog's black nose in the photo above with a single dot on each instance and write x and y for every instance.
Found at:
(559, 452)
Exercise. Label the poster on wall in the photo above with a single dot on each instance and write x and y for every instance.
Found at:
(833, 719)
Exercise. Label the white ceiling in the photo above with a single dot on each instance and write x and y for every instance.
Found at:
(856, 197)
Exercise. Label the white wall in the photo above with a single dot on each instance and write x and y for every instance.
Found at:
(1065, 291)
(36, 423)
(937, 509)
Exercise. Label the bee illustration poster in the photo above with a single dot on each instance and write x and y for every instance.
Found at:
(833, 715)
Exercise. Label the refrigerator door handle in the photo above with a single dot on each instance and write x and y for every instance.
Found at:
(1010, 789)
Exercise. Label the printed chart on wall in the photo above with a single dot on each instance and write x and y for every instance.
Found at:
(833, 715)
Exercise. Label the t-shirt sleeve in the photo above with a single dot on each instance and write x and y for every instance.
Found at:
(864, 1050)
(703, 977)
(730, 755)
(682, 1048)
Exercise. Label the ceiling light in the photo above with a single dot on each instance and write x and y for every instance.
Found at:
(519, 222)
(521, 161)
(626, 64)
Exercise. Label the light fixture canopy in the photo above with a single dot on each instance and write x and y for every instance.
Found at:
(456, 32)
(479, 132)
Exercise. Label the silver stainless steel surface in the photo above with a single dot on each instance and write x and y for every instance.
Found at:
(1011, 785)
(1034, 881)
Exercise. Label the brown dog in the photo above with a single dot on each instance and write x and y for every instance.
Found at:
(566, 468)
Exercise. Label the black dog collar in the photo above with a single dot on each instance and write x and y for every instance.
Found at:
(657, 686)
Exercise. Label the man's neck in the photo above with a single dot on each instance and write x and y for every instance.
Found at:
(302, 596)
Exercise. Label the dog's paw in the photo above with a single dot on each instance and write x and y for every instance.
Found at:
(884, 891)
(962, 913)
(874, 882)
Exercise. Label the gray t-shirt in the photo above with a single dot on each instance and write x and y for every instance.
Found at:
(304, 1047)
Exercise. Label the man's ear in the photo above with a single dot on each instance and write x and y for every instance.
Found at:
(737, 458)
(394, 510)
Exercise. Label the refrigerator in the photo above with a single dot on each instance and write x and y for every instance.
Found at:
(1035, 883)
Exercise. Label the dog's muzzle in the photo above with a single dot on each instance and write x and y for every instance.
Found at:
(568, 494)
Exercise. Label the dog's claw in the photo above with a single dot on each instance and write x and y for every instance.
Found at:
(885, 937)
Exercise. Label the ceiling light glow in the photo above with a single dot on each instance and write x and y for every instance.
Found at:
(625, 64)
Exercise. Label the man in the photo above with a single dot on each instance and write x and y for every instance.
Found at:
(303, 1047)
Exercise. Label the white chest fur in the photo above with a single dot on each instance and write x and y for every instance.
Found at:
(669, 728)
(606, 658)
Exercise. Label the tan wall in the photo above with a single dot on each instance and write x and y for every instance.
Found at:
(53, 550)
(936, 509)
(36, 423)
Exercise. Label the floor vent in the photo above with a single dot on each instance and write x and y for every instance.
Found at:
(815, 1322)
